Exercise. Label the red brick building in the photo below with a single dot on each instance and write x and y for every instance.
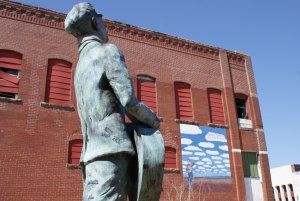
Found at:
(183, 81)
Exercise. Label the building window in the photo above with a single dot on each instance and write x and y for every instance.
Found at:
(278, 191)
(170, 157)
(75, 147)
(146, 91)
(216, 106)
(10, 66)
(241, 106)
(58, 87)
(250, 161)
(183, 97)
(290, 186)
(242, 111)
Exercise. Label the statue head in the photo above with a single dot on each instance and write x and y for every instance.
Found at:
(83, 20)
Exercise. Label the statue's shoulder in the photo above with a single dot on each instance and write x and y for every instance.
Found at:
(113, 50)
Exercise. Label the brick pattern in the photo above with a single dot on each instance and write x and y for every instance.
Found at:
(35, 140)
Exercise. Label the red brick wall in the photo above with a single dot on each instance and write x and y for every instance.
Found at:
(34, 139)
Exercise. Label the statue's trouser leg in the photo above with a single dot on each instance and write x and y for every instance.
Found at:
(106, 179)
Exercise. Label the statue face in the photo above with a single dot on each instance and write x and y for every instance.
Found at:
(100, 27)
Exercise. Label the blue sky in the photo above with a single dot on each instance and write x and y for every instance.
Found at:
(266, 30)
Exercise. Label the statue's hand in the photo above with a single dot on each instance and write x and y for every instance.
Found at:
(156, 124)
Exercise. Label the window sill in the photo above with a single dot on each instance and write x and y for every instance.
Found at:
(247, 129)
(11, 100)
(186, 122)
(253, 177)
(245, 123)
(73, 166)
(172, 170)
(54, 106)
(217, 125)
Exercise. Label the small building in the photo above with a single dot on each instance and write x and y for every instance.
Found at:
(286, 182)
(206, 97)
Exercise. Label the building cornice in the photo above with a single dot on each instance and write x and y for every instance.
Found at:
(44, 17)
(159, 39)
(34, 15)
(236, 58)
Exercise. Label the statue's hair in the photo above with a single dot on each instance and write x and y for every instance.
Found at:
(80, 13)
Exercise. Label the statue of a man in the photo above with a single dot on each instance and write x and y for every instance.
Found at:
(104, 92)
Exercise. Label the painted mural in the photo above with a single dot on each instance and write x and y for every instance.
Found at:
(205, 158)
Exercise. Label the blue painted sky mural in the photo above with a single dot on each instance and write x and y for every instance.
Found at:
(206, 149)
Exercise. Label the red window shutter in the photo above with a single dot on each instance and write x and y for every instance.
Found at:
(183, 97)
(58, 89)
(75, 147)
(10, 64)
(216, 106)
(147, 93)
(170, 157)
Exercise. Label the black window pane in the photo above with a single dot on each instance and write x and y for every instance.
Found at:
(241, 108)
(10, 71)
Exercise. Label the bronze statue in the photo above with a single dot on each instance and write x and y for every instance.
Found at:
(104, 92)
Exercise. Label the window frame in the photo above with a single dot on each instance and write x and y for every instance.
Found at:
(212, 119)
(10, 82)
(242, 97)
(183, 85)
(147, 78)
(64, 87)
(169, 148)
(250, 170)
(70, 151)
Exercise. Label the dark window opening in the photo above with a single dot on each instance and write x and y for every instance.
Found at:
(291, 187)
(284, 188)
(12, 72)
(241, 108)
(10, 66)
(7, 95)
(250, 164)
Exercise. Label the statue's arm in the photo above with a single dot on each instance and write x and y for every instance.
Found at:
(119, 79)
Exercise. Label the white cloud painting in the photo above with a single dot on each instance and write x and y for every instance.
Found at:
(190, 129)
(206, 149)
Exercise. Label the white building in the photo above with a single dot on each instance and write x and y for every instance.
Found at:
(286, 182)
